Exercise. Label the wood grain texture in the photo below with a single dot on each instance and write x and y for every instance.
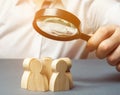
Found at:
(32, 78)
(47, 70)
(59, 81)
(68, 73)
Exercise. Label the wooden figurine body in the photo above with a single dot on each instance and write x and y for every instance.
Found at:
(32, 78)
(47, 70)
(59, 81)
(68, 73)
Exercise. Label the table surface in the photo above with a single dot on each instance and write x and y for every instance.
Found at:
(91, 77)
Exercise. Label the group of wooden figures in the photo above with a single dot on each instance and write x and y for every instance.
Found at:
(46, 74)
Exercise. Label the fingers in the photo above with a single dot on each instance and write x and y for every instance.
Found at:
(106, 42)
(114, 58)
(100, 35)
(118, 67)
(109, 45)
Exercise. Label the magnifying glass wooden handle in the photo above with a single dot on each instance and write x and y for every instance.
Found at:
(84, 36)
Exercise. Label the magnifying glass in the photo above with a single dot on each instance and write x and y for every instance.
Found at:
(58, 24)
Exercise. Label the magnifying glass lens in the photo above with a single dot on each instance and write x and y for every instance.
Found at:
(57, 27)
(58, 24)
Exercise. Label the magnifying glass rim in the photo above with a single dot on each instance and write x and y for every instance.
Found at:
(59, 13)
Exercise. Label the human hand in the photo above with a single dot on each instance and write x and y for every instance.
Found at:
(106, 42)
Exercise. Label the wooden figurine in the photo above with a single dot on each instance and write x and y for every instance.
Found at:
(32, 78)
(68, 73)
(47, 70)
(59, 81)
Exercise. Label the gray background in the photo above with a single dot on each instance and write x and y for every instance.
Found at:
(91, 77)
